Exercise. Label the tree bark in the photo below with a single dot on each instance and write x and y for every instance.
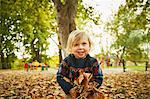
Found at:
(122, 60)
(66, 14)
(1, 53)
(2, 60)
(135, 63)
(35, 52)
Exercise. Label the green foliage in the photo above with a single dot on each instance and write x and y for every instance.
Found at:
(36, 26)
(54, 61)
(26, 22)
(130, 27)
(85, 14)
(17, 64)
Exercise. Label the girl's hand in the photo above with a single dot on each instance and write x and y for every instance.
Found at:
(73, 93)
(86, 80)
(88, 76)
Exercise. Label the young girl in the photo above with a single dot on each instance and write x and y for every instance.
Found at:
(78, 46)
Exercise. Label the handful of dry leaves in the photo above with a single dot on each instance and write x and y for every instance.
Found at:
(85, 89)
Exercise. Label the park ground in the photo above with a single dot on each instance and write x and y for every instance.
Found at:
(16, 84)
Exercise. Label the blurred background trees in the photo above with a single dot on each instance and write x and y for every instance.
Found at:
(131, 28)
(27, 25)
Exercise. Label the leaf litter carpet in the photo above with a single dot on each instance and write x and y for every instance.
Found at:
(43, 85)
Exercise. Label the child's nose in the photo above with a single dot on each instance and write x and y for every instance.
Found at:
(80, 46)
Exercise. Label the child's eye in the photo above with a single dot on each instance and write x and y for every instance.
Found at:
(84, 43)
(76, 44)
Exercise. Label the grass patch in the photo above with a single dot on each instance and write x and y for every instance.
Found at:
(137, 68)
(133, 68)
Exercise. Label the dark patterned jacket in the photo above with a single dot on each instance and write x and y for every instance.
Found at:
(70, 66)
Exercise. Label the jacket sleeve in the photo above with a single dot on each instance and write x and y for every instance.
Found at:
(97, 73)
(63, 71)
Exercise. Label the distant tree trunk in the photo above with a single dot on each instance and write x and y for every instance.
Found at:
(60, 49)
(35, 52)
(1, 53)
(8, 63)
(66, 14)
(2, 61)
(123, 64)
(122, 60)
(147, 65)
(135, 63)
(60, 56)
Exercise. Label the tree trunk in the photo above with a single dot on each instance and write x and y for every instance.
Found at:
(117, 60)
(2, 61)
(35, 52)
(123, 64)
(147, 65)
(122, 60)
(66, 14)
(8, 63)
(135, 63)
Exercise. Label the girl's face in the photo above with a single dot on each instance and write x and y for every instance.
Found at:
(81, 48)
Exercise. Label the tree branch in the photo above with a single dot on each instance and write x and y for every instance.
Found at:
(57, 4)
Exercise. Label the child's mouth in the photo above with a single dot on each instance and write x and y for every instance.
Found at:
(81, 53)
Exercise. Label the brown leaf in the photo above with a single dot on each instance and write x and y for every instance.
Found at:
(80, 79)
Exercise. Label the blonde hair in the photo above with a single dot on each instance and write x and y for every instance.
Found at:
(74, 37)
